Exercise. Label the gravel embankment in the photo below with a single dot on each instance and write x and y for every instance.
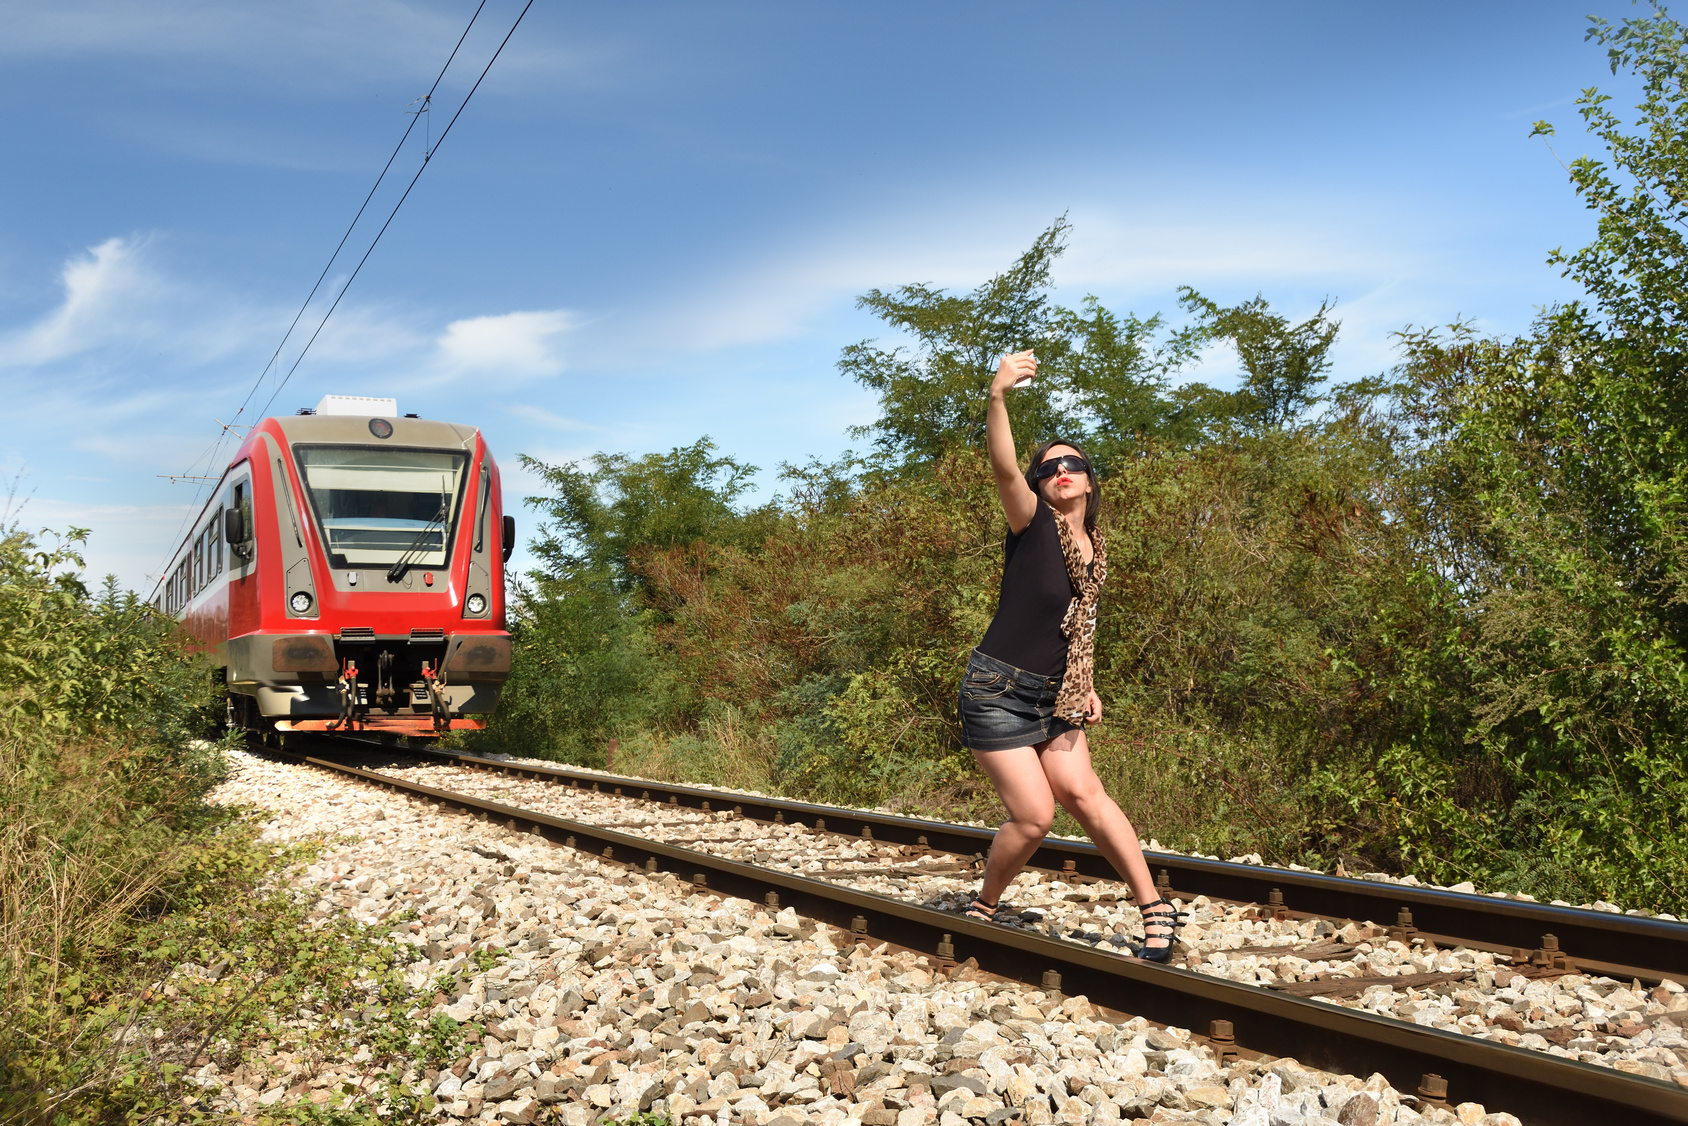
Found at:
(613, 992)
(1593, 1019)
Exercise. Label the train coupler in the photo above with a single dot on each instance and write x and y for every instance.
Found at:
(437, 700)
(348, 685)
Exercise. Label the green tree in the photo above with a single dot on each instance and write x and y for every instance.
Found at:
(1553, 484)
(585, 669)
(1283, 363)
(1636, 266)
(598, 517)
(1100, 374)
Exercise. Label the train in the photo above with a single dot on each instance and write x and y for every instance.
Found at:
(347, 574)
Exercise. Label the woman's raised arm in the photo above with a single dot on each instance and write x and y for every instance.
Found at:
(1018, 501)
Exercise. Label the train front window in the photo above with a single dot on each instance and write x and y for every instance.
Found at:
(377, 506)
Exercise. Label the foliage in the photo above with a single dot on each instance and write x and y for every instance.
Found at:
(1553, 477)
(638, 1120)
(1283, 364)
(142, 934)
(75, 662)
(1635, 266)
(223, 968)
(599, 517)
(1438, 627)
(1101, 376)
(584, 671)
(99, 766)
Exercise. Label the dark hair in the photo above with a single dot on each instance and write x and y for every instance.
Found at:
(1093, 502)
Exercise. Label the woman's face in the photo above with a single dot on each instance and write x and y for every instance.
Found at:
(1063, 486)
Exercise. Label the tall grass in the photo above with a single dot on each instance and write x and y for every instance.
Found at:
(102, 780)
(121, 888)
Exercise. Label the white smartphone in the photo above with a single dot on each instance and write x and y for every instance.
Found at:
(1024, 381)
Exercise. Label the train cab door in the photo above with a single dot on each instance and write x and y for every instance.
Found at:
(240, 541)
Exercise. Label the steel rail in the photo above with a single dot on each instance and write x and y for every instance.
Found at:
(1539, 1088)
(1624, 946)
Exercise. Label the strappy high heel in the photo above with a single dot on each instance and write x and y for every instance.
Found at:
(1160, 920)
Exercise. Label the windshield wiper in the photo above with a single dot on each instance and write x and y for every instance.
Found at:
(397, 570)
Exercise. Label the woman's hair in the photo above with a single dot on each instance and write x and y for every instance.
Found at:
(1093, 502)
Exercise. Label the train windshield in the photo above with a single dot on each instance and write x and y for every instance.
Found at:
(377, 506)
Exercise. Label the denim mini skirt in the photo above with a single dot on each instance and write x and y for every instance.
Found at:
(1003, 707)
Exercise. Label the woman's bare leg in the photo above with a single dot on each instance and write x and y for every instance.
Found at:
(1073, 782)
(1020, 783)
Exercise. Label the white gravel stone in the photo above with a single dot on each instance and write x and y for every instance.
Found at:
(1636, 1034)
(612, 991)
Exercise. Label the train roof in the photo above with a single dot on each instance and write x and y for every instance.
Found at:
(345, 429)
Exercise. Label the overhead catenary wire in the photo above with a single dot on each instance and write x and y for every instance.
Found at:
(426, 160)
(210, 455)
(426, 100)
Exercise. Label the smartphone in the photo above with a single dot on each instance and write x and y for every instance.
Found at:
(1025, 381)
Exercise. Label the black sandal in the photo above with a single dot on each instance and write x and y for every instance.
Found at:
(1165, 924)
(982, 911)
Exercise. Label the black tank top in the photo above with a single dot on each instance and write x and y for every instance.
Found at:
(1036, 591)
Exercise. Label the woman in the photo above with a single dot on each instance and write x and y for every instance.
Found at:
(1028, 692)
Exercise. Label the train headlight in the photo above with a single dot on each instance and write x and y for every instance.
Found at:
(301, 602)
(476, 604)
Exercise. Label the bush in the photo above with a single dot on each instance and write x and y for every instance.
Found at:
(1442, 627)
(144, 933)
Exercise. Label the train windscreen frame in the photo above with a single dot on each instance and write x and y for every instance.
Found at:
(377, 505)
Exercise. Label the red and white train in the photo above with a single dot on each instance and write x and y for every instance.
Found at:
(348, 574)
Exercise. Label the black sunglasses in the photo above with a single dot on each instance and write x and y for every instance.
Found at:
(1066, 463)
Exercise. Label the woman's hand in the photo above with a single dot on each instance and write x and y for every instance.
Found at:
(1093, 709)
(1012, 369)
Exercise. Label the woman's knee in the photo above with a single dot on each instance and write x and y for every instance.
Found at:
(1035, 822)
(1086, 801)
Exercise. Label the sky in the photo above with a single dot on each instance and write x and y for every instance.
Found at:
(652, 221)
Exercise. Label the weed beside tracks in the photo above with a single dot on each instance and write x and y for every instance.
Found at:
(151, 949)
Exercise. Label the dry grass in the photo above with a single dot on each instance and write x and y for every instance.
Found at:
(73, 863)
(724, 751)
(75, 866)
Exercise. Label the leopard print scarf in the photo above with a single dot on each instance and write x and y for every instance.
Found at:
(1079, 624)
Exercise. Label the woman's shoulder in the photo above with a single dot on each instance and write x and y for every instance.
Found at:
(1042, 517)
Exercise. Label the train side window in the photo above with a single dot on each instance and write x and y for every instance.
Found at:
(243, 551)
(214, 545)
(483, 510)
(199, 560)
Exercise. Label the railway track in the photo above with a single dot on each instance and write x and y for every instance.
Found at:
(1440, 1065)
(1611, 945)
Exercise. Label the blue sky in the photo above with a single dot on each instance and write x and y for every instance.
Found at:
(653, 220)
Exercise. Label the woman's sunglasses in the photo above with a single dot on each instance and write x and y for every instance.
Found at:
(1066, 463)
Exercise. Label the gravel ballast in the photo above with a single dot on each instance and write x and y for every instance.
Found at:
(612, 992)
(1593, 1019)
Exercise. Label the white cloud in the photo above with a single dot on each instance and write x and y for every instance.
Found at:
(520, 344)
(115, 302)
(132, 541)
(103, 292)
(545, 417)
(316, 47)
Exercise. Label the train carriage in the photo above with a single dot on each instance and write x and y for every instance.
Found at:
(348, 574)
